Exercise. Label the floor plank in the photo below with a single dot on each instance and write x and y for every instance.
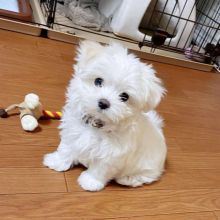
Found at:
(197, 161)
(185, 216)
(107, 204)
(34, 180)
(180, 216)
(199, 145)
(22, 156)
(217, 214)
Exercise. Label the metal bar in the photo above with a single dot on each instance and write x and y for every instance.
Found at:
(203, 3)
(54, 12)
(171, 15)
(208, 16)
(208, 31)
(185, 19)
(51, 8)
(178, 22)
(162, 12)
(204, 21)
(185, 28)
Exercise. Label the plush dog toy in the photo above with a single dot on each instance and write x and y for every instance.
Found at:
(31, 110)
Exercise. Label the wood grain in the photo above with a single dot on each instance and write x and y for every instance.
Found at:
(22, 156)
(199, 145)
(34, 180)
(108, 204)
(190, 188)
(197, 161)
(217, 214)
(180, 216)
(185, 216)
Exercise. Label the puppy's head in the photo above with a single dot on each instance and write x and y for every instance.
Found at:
(112, 85)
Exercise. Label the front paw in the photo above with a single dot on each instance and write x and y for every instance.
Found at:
(94, 122)
(89, 183)
(55, 162)
(87, 118)
(97, 123)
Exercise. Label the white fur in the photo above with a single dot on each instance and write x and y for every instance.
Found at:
(130, 148)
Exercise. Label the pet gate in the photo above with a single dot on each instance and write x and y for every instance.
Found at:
(189, 27)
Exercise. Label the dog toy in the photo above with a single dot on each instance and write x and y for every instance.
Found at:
(31, 110)
(51, 115)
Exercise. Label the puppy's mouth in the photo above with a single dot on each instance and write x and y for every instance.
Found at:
(94, 122)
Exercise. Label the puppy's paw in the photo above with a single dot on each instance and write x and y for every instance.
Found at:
(89, 183)
(94, 122)
(29, 123)
(135, 181)
(32, 100)
(97, 123)
(55, 162)
(87, 118)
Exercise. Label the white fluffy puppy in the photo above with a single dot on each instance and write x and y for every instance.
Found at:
(104, 124)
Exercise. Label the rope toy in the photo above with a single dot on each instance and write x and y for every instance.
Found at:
(31, 110)
(51, 115)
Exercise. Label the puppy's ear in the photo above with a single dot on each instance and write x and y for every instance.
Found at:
(115, 47)
(152, 88)
(86, 51)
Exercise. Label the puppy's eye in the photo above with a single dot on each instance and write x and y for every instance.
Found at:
(124, 97)
(98, 82)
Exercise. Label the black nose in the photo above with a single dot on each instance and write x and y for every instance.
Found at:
(103, 104)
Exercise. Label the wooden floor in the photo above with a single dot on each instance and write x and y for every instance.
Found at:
(190, 188)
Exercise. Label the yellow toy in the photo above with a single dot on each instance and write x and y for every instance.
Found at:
(31, 110)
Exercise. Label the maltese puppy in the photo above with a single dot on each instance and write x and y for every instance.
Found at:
(105, 126)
